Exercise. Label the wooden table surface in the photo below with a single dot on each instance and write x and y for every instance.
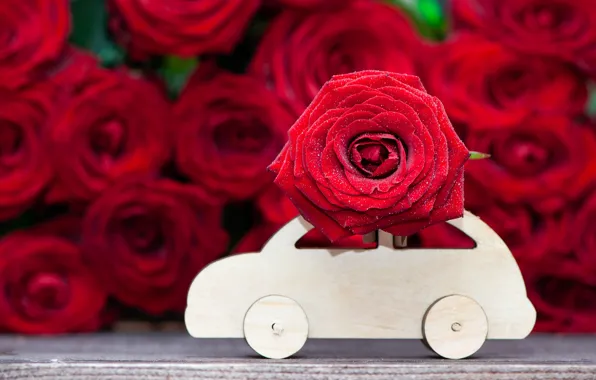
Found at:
(170, 356)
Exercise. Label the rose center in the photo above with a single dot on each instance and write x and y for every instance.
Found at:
(143, 234)
(107, 139)
(11, 140)
(235, 136)
(377, 155)
(523, 156)
(44, 292)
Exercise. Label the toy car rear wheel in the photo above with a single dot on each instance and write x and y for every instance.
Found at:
(455, 327)
(275, 327)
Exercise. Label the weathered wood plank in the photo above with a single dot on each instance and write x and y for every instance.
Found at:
(178, 356)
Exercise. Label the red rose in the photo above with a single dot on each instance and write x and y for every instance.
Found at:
(477, 196)
(75, 66)
(529, 236)
(588, 62)
(109, 125)
(486, 84)
(34, 34)
(543, 161)
(301, 51)
(229, 128)
(558, 28)
(311, 4)
(147, 240)
(441, 236)
(180, 27)
(580, 236)
(373, 151)
(274, 207)
(45, 285)
(24, 168)
(563, 302)
(254, 240)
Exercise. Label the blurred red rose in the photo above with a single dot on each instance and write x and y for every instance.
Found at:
(543, 161)
(180, 27)
(147, 240)
(580, 236)
(528, 235)
(486, 84)
(33, 34)
(441, 236)
(301, 51)
(588, 63)
(46, 287)
(254, 240)
(275, 207)
(311, 4)
(477, 196)
(74, 67)
(564, 303)
(109, 125)
(373, 151)
(229, 128)
(558, 28)
(24, 167)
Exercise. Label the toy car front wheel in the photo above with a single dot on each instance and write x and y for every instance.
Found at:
(455, 327)
(275, 327)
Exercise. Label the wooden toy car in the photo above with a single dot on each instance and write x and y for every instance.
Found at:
(453, 299)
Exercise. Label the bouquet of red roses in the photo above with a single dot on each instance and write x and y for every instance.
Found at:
(141, 140)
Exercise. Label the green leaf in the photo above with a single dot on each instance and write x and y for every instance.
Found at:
(428, 16)
(175, 72)
(89, 31)
(432, 13)
(478, 155)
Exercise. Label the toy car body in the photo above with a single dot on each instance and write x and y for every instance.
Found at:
(382, 293)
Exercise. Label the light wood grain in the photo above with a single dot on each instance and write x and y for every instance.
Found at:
(276, 327)
(178, 356)
(455, 327)
(380, 293)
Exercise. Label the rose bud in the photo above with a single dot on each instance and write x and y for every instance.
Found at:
(373, 151)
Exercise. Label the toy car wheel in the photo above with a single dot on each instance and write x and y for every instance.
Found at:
(455, 327)
(275, 327)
